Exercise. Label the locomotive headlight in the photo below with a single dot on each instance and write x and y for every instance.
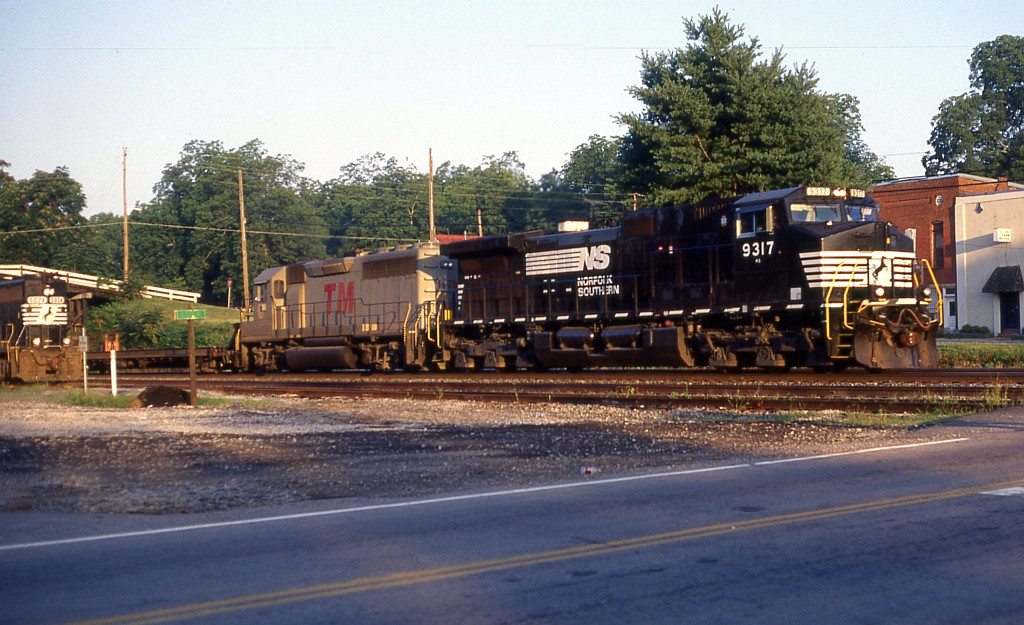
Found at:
(927, 292)
(36, 342)
(879, 292)
(66, 341)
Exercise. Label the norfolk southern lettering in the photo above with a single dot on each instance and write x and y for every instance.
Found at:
(576, 260)
(596, 285)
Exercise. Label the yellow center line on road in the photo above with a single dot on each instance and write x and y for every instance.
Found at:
(394, 580)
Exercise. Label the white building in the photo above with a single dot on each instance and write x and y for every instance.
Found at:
(989, 255)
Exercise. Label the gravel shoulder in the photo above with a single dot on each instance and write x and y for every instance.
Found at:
(246, 454)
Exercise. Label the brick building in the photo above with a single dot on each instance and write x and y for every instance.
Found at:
(924, 209)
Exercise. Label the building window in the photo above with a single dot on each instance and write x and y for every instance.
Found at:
(938, 246)
(912, 233)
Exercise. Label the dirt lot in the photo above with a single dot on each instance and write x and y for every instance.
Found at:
(181, 459)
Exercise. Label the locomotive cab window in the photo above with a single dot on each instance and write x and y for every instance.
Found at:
(860, 212)
(753, 221)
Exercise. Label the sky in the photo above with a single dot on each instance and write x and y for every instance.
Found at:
(329, 82)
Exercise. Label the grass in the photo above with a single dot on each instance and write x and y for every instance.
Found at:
(984, 355)
(94, 399)
(103, 398)
(941, 412)
(896, 420)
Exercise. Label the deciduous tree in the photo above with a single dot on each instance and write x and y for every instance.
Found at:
(982, 131)
(189, 233)
(36, 215)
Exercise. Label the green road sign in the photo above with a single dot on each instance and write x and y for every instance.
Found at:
(185, 315)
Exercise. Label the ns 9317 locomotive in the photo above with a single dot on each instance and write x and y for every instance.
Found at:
(797, 277)
(36, 332)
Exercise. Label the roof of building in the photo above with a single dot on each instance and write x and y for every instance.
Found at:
(1008, 194)
(1004, 280)
(451, 238)
(968, 177)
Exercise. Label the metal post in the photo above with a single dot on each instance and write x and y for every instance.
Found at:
(83, 346)
(113, 372)
(191, 362)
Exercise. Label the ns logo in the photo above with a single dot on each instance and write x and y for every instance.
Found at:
(593, 258)
(569, 260)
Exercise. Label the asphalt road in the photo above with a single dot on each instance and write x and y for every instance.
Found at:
(914, 534)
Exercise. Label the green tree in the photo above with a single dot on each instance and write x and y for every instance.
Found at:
(720, 121)
(594, 173)
(188, 237)
(37, 215)
(95, 249)
(494, 196)
(375, 202)
(982, 131)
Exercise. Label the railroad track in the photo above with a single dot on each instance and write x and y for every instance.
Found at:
(945, 391)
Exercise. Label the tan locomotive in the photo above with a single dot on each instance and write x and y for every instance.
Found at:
(380, 310)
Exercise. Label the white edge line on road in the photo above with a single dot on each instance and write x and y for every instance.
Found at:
(452, 498)
(1015, 491)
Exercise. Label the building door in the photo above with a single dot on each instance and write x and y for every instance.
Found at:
(949, 297)
(1009, 311)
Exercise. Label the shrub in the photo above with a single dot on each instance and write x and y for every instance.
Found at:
(972, 329)
(148, 324)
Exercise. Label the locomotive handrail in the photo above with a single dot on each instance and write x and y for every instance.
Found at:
(434, 320)
(846, 296)
(828, 300)
(938, 292)
(405, 325)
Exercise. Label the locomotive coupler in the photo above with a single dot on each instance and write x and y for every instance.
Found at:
(909, 338)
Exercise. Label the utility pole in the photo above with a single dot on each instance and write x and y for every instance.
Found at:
(124, 196)
(430, 198)
(245, 251)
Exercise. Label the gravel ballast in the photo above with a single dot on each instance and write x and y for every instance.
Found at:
(55, 458)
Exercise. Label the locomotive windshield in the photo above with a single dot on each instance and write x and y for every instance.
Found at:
(825, 205)
(819, 213)
(801, 212)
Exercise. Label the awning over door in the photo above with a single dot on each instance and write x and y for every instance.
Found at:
(1005, 280)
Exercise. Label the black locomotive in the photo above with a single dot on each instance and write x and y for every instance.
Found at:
(36, 333)
(804, 276)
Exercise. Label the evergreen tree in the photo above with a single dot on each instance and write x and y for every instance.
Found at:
(720, 121)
